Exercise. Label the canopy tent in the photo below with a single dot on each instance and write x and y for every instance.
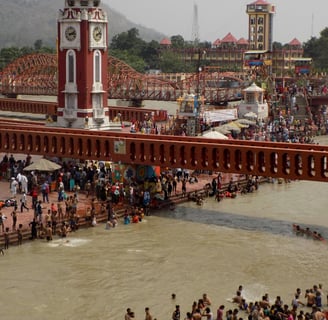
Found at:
(246, 121)
(239, 124)
(231, 127)
(214, 135)
(42, 165)
(250, 115)
(222, 130)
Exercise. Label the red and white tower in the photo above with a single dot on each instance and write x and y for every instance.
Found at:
(82, 65)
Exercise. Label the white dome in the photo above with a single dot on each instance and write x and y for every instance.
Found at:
(253, 88)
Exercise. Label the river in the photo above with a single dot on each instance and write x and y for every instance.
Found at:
(188, 251)
(191, 250)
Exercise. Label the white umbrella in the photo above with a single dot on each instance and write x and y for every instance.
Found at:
(240, 125)
(246, 121)
(231, 127)
(214, 135)
(42, 165)
(222, 130)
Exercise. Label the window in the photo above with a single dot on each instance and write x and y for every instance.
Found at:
(260, 20)
(70, 67)
(250, 97)
(97, 66)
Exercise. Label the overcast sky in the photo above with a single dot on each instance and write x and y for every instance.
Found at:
(293, 19)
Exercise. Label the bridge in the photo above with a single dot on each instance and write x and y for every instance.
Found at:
(36, 74)
(278, 160)
(49, 110)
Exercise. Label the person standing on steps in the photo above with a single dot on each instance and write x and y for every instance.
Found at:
(13, 187)
(34, 231)
(2, 221)
(6, 237)
(45, 192)
(184, 187)
(23, 202)
(14, 217)
(38, 211)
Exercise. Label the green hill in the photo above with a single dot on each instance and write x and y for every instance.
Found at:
(22, 22)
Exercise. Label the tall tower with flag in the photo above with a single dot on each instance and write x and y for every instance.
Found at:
(260, 25)
(82, 65)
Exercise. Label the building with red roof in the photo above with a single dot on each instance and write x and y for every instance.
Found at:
(242, 43)
(228, 41)
(230, 54)
(166, 42)
(260, 2)
(216, 43)
(295, 43)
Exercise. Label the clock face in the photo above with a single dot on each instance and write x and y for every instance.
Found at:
(97, 33)
(70, 33)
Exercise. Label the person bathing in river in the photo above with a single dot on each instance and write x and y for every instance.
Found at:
(237, 298)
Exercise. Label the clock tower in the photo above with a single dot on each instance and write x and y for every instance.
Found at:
(82, 65)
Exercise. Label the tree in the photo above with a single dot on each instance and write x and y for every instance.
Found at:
(171, 62)
(150, 54)
(129, 40)
(7, 55)
(134, 61)
(317, 49)
(277, 45)
(177, 41)
(130, 48)
(26, 50)
(205, 44)
(38, 45)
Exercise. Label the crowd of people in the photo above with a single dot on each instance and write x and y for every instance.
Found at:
(101, 192)
(312, 234)
(263, 309)
(94, 181)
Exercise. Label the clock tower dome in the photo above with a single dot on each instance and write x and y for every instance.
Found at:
(82, 65)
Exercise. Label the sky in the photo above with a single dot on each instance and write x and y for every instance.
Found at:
(299, 19)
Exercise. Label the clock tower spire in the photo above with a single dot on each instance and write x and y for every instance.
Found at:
(82, 65)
